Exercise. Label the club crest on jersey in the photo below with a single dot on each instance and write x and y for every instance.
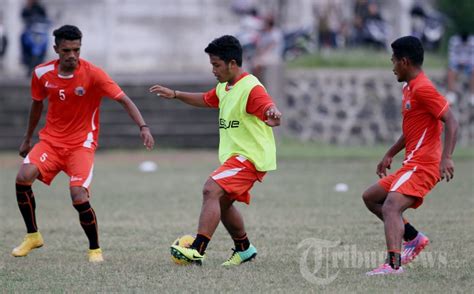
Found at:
(407, 105)
(79, 91)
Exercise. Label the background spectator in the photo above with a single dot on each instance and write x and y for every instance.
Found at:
(461, 62)
(331, 21)
(269, 48)
(34, 39)
(33, 11)
(3, 43)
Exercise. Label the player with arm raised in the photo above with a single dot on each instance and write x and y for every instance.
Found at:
(246, 148)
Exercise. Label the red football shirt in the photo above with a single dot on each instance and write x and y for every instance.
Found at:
(257, 103)
(73, 102)
(422, 108)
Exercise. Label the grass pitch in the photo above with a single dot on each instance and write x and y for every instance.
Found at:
(140, 214)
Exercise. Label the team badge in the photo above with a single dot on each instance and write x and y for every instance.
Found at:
(80, 91)
(407, 105)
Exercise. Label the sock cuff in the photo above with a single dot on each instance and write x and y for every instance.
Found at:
(241, 238)
(203, 236)
(22, 187)
(81, 207)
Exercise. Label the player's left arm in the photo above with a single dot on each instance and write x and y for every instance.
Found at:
(446, 167)
(137, 117)
(273, 116)
(261, 105)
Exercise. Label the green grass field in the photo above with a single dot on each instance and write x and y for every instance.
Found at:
(140, 214)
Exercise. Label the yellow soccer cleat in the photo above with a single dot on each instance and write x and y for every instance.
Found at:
(31, 241)
(187, 255)
(239, 257)
(95, 255)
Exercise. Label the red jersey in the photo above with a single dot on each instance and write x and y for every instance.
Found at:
(73, 108)
(422, 108)
(257, 103)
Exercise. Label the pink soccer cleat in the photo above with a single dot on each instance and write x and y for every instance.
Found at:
(412, 248)
(385, 269)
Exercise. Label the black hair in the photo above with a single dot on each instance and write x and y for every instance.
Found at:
(66, 32)
(409, 47)
(226, 48)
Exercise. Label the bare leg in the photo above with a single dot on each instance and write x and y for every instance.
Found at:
(210, 210)
(392, 210)
(231, 218)
(374, 198)
(452, 80)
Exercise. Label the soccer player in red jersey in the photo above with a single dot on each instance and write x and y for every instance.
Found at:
(74, 88)
(426, 163)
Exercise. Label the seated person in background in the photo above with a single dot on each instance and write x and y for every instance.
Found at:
(461, 61)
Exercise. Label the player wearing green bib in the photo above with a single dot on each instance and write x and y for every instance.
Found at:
(246, 148)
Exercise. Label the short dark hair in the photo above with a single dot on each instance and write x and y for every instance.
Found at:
(226, 48)
(66, 32)
(409, 47)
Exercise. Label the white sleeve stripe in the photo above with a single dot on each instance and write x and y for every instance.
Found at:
(121, 92)
(442, 110)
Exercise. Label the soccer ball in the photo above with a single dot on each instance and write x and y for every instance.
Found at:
(184, 241)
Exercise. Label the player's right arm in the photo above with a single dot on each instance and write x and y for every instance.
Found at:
(194, 99)
(386, 161)
(38, 94)
(35, 114)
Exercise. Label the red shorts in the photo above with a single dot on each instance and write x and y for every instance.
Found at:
(237, 176)
(414, 181)
(77, 163)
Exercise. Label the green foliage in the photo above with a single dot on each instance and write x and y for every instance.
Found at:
(460, 13)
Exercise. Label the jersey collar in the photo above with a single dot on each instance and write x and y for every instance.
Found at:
(411, 83)
(56, 66)
(229, 86)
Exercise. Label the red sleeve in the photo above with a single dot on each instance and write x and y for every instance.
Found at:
(211, 99)
(38, 91)
(432, 100)
(258, 102)
(106, 86)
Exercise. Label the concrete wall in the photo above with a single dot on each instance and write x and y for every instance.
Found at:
(141, 36)
(130, 36)
(164, 36)
(343, 107)
(356, 107)
(173, 123)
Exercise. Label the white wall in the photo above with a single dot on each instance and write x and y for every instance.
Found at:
(133, 36)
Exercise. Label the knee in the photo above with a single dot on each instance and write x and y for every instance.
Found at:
(25, 177)
(211, 192)
(366, 196)
(389, 207)
(208, 194)
(79, 194)
(21, 178)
